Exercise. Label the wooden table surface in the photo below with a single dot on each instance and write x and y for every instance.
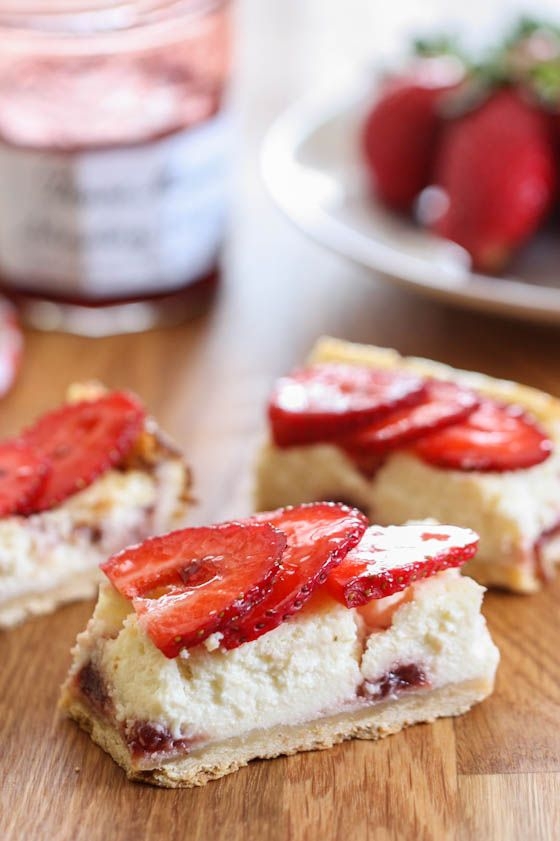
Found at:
(490, 775)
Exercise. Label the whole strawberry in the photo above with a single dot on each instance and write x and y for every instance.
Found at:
(496, 166)
(400, 132)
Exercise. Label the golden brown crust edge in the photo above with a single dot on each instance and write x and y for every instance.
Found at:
(215, 761)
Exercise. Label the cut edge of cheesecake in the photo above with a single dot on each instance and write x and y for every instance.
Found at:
(219, 759)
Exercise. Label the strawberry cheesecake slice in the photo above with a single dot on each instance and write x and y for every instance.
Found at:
(405, 438)
(82, 482)
(289, 631)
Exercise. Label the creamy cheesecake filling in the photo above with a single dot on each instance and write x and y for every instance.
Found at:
(322, 662)
(440, 630)
(512, 512)
(42, 551)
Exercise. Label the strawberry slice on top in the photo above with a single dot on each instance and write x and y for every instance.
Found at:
(23, 474)
(188, 584)
(80, 441)
(443, 403)
(388, 560)
(494, 437)
(326, 400)
(319, 535)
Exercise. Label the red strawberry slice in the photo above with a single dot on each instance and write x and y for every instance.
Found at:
(494, 437)
(327, 400)
(388, 560)
(443, 403)
(185, 585)
(319, 536)
(23, 474)
(83, 440)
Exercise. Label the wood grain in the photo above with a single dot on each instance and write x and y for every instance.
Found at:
(489, 776)
(524, 806)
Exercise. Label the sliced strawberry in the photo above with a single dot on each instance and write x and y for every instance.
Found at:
(444, 403)
(327, 400)
(494, 437)
(319, 536)
(83, 440)
(185, 585)
(23, 474)
(388, 560)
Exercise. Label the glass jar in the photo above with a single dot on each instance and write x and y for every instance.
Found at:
(114, 153)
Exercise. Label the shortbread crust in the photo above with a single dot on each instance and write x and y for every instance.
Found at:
(206, 764)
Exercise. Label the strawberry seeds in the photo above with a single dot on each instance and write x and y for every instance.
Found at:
(319, 403)
(195, 582)
(240, 580)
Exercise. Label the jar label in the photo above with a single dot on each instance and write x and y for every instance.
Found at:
(126, 221)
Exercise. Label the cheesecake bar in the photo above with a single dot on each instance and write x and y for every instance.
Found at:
(290, 631)
(84, 481)
(458, 446)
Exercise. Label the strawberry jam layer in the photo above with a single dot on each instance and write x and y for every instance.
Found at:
(144, 739)
(393, 683)
(92, 687)
(147, 739)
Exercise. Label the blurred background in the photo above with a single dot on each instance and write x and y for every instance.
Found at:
(131, 135)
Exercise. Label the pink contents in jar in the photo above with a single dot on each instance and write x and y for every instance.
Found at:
(114, 159)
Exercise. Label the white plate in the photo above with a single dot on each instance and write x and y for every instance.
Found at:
(311, 166)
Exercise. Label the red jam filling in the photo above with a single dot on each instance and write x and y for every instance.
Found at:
(143, 738)
(146, 739)
(394, 683)
(92, 686)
